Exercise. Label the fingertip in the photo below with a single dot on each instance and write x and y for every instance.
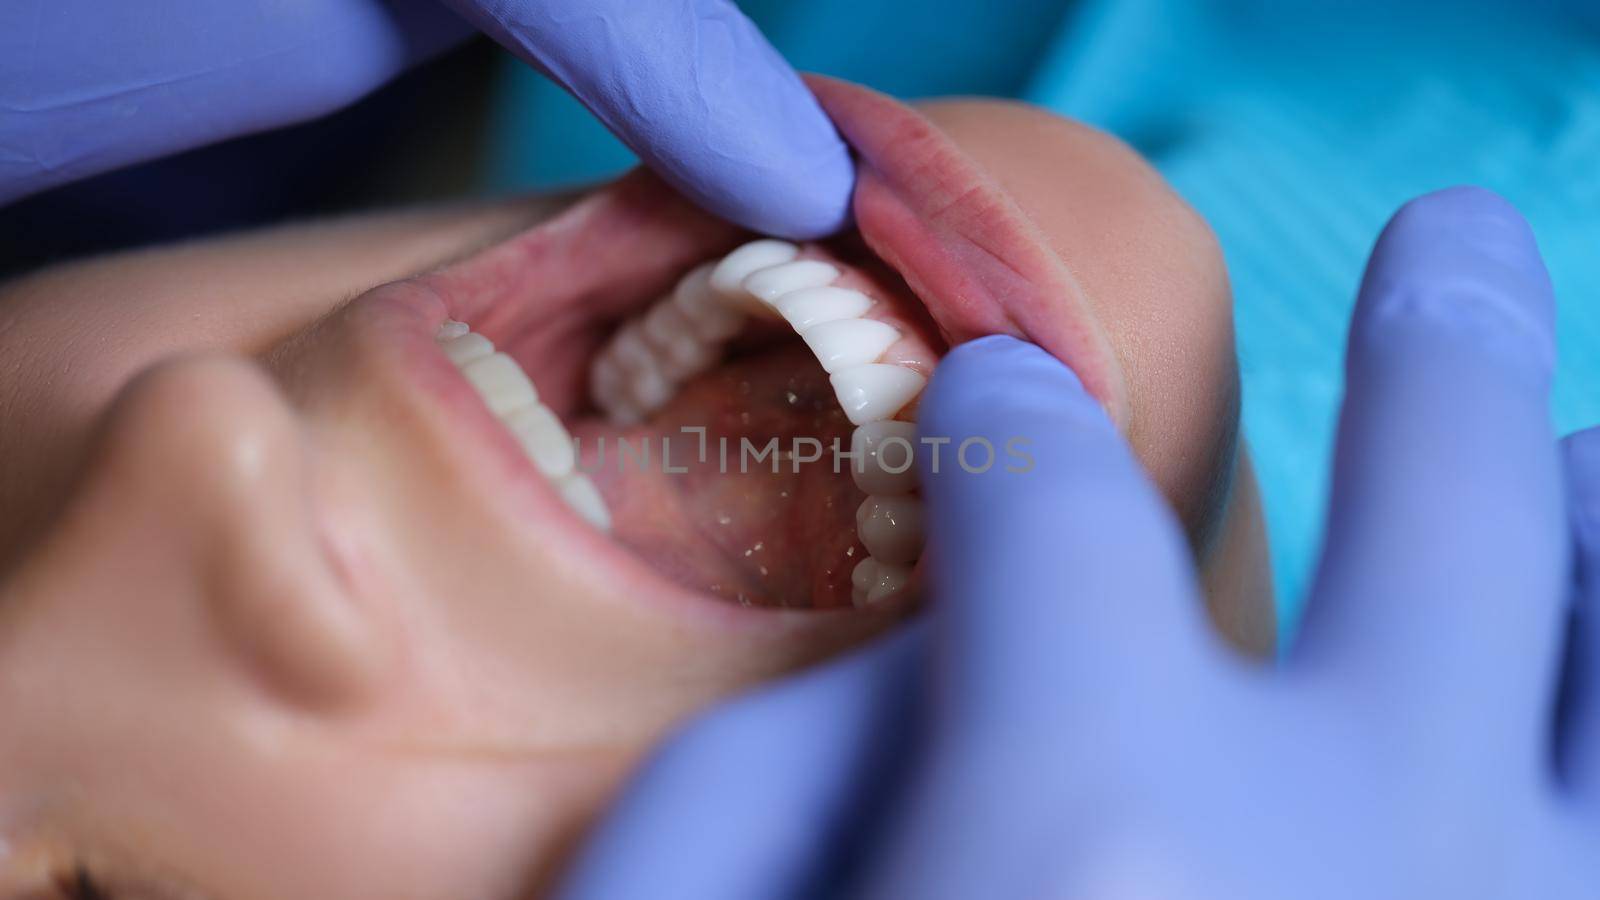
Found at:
(999, 349)
(1468, 228)
(803, 196)
(707, 103)
(1452, 204)
(1008, 431)
(1464, 263)
(998, 379)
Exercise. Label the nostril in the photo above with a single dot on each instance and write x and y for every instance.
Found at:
(207, 450)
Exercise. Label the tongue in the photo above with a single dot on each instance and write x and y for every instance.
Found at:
(711, 512)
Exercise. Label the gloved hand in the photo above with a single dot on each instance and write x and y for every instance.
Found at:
(691, 86)
(1063, 724)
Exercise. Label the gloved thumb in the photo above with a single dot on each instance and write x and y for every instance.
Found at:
(1053, 563)
(696, 91)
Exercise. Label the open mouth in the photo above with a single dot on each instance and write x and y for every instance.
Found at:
(740, 413)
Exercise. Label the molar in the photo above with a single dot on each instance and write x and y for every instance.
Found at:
(862, 578)
(645, 385)
(608, 384)
(890, 579)
(685, 358)
(867, 446)
(630, 350)
(873, 580)
(891, 527)
(680, 353)
(666, 324)
(713, 318)
(650, 387)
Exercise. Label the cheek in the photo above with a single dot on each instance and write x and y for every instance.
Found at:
(334, 814)
(1170, 319)
(1155, 279)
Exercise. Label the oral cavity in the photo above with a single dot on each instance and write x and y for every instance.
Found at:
(871, 361)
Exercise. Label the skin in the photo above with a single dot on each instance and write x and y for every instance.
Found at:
(219, 616)
(1153, 274)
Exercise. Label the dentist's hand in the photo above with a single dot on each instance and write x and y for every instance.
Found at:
(1065, 725)
(690, 85)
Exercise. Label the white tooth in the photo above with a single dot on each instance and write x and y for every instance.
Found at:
(681, 353)
(847, 343)
(718, 327)
(768, 284)
(891, 527)
(665, 323)
(813, 306)
(862, 579)
(875, 391)
(464, 348)
(544, 439)
(605, 378)
(609, 388)
(584, 498)
(891, 579)
(630, 349)
(729, 274)
(501, 383)
(451, 329)
(686, 358)
(881, 468)
(712, 317)
(651, 390)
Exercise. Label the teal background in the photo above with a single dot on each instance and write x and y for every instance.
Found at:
(1296, 128)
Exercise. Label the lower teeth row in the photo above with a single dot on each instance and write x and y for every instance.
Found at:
(683, 335)
(512, 397)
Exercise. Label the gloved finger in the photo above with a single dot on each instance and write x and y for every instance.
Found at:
(694, 89)
(1068, 637)
(73, 71)
(759, 798)
(1055, 568)
(1442, 577)
(1579, 715)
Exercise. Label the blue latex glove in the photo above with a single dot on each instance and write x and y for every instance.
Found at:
(692, 86)
(1064, 724)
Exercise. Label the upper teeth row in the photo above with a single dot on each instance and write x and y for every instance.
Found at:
(512, 397)
(682, 336)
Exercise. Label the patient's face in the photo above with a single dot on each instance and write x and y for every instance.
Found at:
(285, 612)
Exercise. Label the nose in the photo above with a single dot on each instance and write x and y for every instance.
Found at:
(208, 450)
